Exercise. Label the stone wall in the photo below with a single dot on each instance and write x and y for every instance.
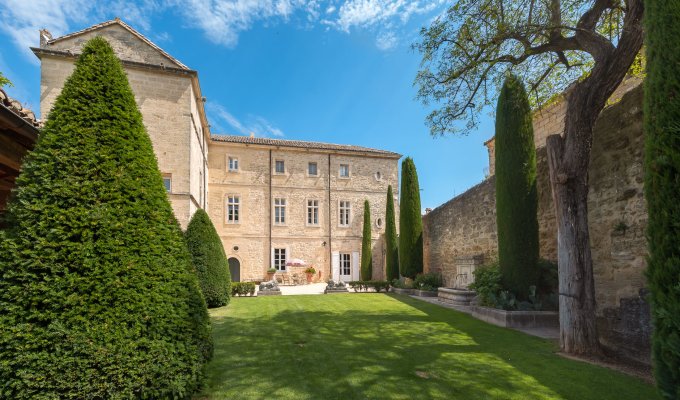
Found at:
(466, 226)
(255, 235)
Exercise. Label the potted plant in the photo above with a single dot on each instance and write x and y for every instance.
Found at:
(310, 271)
(270, 273)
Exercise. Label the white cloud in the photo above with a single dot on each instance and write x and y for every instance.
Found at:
(254, 124)
(222, 21)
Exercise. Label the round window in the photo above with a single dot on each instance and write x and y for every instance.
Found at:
(378, 222)
(378, 176)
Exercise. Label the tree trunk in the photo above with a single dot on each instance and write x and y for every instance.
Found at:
(578, 333)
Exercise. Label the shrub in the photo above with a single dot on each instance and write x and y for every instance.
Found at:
(97, 296)
(401, 284)
(429, 281)
(410, 222)
(516, 196)
(209, 259)
(378, 286)
(242, 288)
(271, 270)
(366, 244)
(310, 270)
(391, 248)
(487, 283)
(662, 187)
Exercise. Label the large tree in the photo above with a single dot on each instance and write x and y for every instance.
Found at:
(97, 298)
(209, 259)
(391, 247)
(662, 187)
(550, 44)
(366, 245)
(516, 197)
(410, 222)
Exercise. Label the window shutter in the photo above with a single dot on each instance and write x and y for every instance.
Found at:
(355, 266)
(271, 260)
(335, 266)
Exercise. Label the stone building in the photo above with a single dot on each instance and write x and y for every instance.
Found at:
(270, 200)
(275, 200)
(167, 93)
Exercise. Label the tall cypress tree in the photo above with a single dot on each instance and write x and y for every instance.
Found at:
(662, 187)
(410, 222)
(209, 259)
(96, 290)
(516, 198)
(366, 246)
(392, 250)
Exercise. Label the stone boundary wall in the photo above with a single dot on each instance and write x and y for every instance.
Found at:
(466, 226)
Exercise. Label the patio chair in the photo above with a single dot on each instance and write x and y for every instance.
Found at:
(296, 279)
(285, 279)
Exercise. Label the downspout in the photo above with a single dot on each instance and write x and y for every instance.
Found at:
(330, 224)
(270, 209)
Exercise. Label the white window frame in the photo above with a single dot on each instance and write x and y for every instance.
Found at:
(345, 264)
(316, 168)
(233, 200)
(349, 171)
(276, 171)
(232, 164)
(168, 187)
(280, 206)
(279, 262)
(346, 206)
(313, 210)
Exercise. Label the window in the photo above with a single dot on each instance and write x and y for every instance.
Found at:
(167, 182)
(379, 223)
(280, 259)
(233, 209)
(233, 164)
(344, 170)
(279, 211)
(312, 212)
(345, 264)
(378, 176)
(312, 169)
(345, 210)
(280, 167)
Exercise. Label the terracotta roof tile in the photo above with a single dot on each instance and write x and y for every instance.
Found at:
(16, 107)
(301, 144)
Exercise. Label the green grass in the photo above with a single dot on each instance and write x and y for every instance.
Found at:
(377, 346)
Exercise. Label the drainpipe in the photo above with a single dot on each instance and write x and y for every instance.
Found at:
(270, 209)
(330, 223)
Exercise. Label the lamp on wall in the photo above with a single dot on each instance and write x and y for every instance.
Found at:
(324, 243)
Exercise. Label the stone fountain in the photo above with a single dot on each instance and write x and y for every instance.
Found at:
(460, 294)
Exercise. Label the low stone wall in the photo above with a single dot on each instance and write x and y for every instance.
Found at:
(466, 226)
(516, 319)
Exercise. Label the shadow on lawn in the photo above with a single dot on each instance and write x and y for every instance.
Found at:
(383, 349)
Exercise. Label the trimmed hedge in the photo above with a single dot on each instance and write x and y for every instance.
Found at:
(410, 222)
(209, 259)
(242, 288)
(429, 281)
(363, 286)
(366, 245)
(97, 296)
(662, 187)
(516, 196)
(391, 247)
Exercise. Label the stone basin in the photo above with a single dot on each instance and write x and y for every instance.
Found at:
(458, 297)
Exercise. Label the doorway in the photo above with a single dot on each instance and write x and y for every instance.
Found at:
(235, 269)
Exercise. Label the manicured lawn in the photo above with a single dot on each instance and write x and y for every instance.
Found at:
(377, 346)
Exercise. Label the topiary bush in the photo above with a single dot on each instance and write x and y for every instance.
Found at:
(97, 298)
(391, 247)
(209, 259)
(662, 187)
(516, 196)
(366, 245)
(410, 222)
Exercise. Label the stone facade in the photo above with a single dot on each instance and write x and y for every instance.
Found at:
(466, 225)
(252, 239)
(168, 96)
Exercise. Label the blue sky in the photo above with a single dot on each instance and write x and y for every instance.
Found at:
(332, 71)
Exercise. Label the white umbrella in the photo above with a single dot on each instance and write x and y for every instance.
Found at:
(295, 262)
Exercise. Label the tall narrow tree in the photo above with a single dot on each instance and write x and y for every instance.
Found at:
(391, 247)
(209, 259)
(516, 198)
(366, 245)
(410, 222)
(96, 290)
(662, 187)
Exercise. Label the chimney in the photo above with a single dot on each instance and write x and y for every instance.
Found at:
(427, 210)
(45, 36)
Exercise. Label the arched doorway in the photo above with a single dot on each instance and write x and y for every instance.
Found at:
(235, 269)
